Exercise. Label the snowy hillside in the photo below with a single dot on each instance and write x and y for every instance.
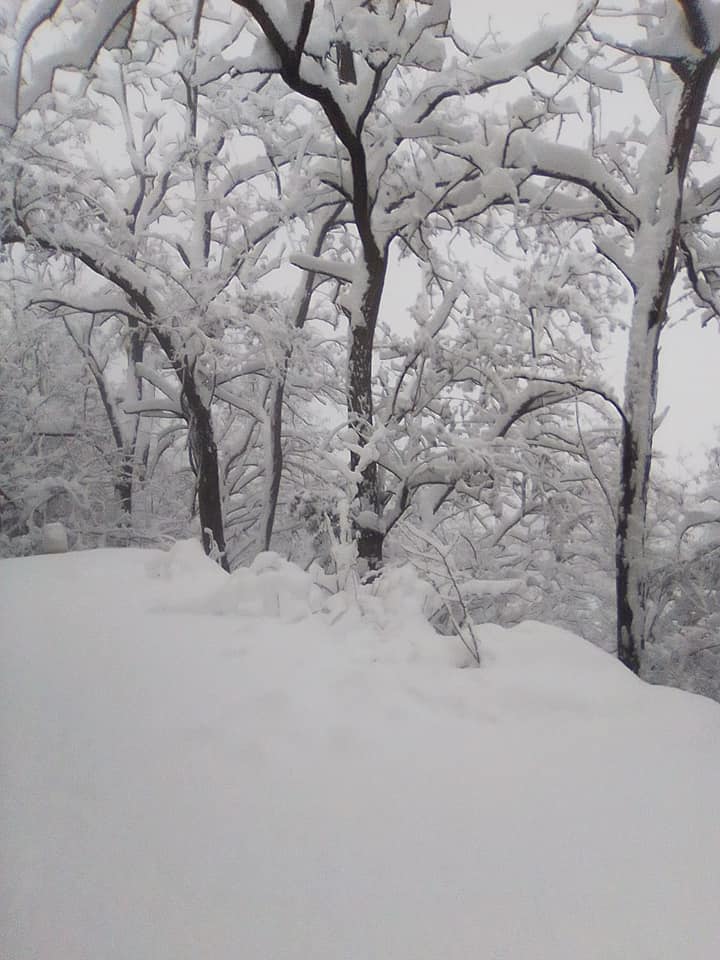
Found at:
(197, 767)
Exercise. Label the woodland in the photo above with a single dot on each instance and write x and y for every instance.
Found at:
(326, 278)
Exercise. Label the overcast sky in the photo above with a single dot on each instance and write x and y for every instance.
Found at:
(511, 16)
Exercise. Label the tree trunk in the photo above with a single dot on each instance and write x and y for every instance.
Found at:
(368, 519)
(127, 440)
(635, 464)
(204, 462)
(274, 455)
(124, 485)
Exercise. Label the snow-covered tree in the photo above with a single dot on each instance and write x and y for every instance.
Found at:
(384, 78)
(638, 192)
(491, 447)
(165, 228)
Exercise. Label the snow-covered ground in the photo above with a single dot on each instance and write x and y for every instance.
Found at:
(195, 767)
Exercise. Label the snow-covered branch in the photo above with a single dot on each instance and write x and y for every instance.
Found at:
(103, 23)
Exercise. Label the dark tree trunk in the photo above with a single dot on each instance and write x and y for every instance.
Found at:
(629, 642)
(128, 446)
(204, 462)
(370, 535)
(275, 453)
(124, 485)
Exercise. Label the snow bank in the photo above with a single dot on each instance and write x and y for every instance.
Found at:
(270, 587)
(389, 613)
(182, 573)
(224, 783)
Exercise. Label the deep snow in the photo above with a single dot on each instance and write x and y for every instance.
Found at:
(196, 766)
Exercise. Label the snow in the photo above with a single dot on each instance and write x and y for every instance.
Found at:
(106, 21)
(54, 538)
(186, 773)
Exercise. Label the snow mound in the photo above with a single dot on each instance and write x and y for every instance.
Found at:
(390, 612)
(182, 573)
(269, 587)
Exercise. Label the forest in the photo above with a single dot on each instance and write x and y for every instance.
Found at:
(329, 279)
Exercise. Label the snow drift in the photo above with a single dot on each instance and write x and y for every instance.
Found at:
(196, 765)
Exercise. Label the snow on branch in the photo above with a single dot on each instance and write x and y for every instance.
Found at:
(103, 23)
(535, 397)
(89, 303)
(119, 270)
(669, 40)
(154, 408)
(344, 272)
(544, 46)
(573, 165)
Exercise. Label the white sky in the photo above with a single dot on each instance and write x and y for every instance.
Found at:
(514, 17)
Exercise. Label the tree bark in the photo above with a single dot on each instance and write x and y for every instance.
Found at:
(275, 456)
(368, 522)
(360, 417)
(635, 464)
(124, 485)
(203, 455)
(125, 481)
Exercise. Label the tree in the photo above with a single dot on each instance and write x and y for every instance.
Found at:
(174, 285)
(637, 211)
(57, 457)
(490, 445)
(377, 113)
